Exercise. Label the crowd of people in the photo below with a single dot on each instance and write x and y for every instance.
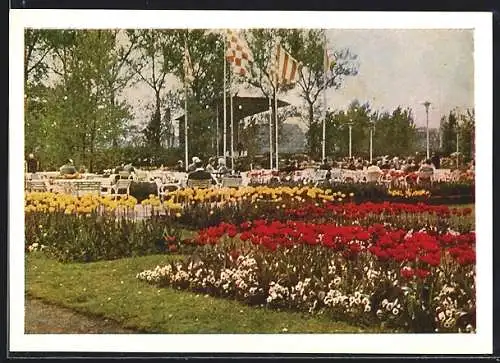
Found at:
(216, 166)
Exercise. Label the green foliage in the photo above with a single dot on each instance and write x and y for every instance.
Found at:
(77, 112)
(458, 127)
(94, 238)
(397, 126)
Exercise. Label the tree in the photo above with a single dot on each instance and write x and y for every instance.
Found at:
(205, 90)
(395, 133)
(152, 59)
(262, 43)
(79, 115)
(449, 127)
(37, 48)
(308, 46)
(467, 133)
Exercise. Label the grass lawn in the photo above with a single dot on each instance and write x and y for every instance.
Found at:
(110, 290)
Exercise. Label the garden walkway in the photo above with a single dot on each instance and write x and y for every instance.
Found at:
(43, 318)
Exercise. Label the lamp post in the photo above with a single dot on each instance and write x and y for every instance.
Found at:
(427, 104)
(350, 139)
(372, 126)
(458, 130)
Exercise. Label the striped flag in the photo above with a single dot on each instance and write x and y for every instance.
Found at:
(284, 69)
(188, 67)
(238, 53)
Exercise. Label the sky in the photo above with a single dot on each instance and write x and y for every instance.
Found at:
(396, 68)
(408, 67)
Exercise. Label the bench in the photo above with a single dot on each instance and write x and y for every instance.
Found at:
(88, 187)
(38, 186)
(202, 183)
(231, 182)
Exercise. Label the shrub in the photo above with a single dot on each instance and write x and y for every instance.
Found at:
(142, 190)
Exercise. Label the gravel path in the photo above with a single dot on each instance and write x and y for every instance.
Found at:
(43, 318)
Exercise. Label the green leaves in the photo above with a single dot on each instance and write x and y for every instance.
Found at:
(71, 238)
(76, 112)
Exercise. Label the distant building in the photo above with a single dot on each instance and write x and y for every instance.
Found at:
(292, 139)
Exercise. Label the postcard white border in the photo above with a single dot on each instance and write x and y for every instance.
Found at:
(481, 342)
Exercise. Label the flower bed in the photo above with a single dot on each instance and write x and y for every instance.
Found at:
(46, 202)
(418, 281)
(90, 237)
(403, 215)
(261, 193)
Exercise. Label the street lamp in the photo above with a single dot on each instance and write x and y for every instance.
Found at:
(350, 123)
(372, 126)
(458, 130)
(427, 104)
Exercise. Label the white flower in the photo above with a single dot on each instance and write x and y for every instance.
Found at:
(441, 316)
(384, 302)
(368, 308)
(395, 311)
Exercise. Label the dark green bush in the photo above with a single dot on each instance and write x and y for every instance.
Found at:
(142, 190)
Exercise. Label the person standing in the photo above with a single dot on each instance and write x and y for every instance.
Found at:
(32, 164)
(435, 159)
(327, 167)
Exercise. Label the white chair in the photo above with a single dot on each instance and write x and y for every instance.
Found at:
(124, 174)
(106, 185)
(336, 175)
(121, 186)
(319, 176)
(165, 188)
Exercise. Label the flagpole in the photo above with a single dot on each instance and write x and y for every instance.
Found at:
(232, 121)
(276, 127)
(323, 151)
(270, 134)
(217, 128)
(225, 106)
(186, 150)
